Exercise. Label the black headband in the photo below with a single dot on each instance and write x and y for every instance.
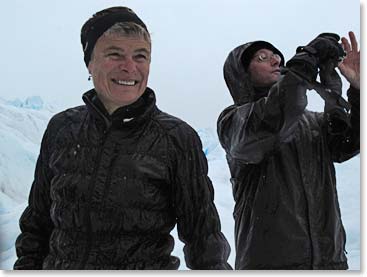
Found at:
(102, 24)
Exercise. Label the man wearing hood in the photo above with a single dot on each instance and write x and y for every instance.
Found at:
(281, 155)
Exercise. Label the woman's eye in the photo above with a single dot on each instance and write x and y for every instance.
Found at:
(114, 54)
(141, 56)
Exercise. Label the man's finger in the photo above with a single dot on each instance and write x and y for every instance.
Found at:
(353, 41)
(346, 45)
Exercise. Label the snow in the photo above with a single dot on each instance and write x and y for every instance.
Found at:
(33, 102)
(22, 124)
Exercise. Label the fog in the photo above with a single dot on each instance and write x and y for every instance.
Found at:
(42, 54)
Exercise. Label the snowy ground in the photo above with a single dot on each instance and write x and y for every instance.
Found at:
(21, 128)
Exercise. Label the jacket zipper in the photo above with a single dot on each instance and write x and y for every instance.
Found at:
(308, 222)
(91, 187)
(304, 182)
(109, 177)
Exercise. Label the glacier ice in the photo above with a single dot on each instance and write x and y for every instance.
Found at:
(22, 124)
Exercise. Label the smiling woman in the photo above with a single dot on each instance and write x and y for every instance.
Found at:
(120, 65)
(117, 174)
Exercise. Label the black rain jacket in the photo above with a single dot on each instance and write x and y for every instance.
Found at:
(108, 190)
(281, 158)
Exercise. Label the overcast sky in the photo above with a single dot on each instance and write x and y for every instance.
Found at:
(42, 54)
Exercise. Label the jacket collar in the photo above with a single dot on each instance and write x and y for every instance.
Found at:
(260, 92)
(126, 116)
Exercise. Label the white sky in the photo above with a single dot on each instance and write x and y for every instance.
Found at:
(42, 54)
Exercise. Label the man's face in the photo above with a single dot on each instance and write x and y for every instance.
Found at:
(120, 69)
(264, 68)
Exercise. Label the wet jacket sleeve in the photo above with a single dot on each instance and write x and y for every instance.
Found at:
(35, 223)
(343, 129)
(198, 223)
(252, 131)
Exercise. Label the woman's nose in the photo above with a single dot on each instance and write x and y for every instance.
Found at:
(127, 64)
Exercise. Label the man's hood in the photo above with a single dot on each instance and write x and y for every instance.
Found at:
(235, 75)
